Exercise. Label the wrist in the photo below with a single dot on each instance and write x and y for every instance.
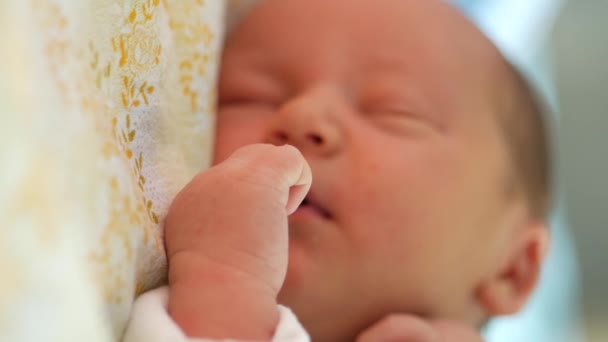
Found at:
(212, 300)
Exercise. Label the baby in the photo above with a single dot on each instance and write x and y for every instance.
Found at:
(426, 158)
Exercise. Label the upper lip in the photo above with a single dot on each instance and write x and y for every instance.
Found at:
(312, 201)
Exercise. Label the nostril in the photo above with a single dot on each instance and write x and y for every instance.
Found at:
(315, 139)
(282, 137)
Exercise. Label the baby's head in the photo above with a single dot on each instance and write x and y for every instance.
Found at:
(429, 159)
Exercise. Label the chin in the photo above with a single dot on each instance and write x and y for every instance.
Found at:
(298, 265)
(303, 278)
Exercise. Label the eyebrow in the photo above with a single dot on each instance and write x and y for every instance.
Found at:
(250, 81)
(383, 62)
(387, 88)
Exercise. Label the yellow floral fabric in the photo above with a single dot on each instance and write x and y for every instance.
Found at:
(105, 113)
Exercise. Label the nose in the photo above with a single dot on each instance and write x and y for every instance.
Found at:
(309, 122)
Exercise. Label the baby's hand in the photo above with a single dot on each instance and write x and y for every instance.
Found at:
(409, 328)
(226, 237)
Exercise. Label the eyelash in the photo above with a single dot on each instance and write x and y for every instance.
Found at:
(246, 100)
(372, 110)
(407, 121)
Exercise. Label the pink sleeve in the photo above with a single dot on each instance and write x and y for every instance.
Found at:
(150, 322)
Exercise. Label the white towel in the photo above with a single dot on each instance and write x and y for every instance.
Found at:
(105, 113)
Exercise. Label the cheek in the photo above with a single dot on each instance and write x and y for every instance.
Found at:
(382, 212)
(403, 208)
(235, 131)
(393, 225)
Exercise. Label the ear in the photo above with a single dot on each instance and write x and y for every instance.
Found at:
(508, 290)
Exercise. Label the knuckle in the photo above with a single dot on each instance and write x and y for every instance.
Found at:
(270, 161)
(289, 150)
(395, 321)
(263, 165)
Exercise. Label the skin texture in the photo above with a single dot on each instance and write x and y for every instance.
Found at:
(408, 210)
(227, 265)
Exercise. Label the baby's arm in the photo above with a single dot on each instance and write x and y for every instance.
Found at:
(213, 302)
(150, 322)
(226, 237)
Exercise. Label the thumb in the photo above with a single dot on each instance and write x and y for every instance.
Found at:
(281, 167)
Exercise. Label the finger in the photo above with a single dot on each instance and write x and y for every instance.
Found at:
(297, 175)
(283, 167)
(296, 196)
(399, 328)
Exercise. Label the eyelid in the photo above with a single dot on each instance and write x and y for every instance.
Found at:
(246, 87)
(387, 108)
(402, 110)
(243, 98)
(249, 94)
(406, 113)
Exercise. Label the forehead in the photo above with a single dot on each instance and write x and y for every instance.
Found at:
(374, 26)
(424, 37)
(424, 42)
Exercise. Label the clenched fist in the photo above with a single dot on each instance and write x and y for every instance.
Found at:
(226, 238)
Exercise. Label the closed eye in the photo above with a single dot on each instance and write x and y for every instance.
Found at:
(249, 89)
(396, 104)
(400, 121)
(243, 101)
(247, 101)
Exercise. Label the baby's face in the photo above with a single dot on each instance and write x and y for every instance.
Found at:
(392, 103)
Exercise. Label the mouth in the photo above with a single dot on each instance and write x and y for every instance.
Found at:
(309, 204)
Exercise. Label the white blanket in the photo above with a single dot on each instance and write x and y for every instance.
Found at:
(105, 113)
